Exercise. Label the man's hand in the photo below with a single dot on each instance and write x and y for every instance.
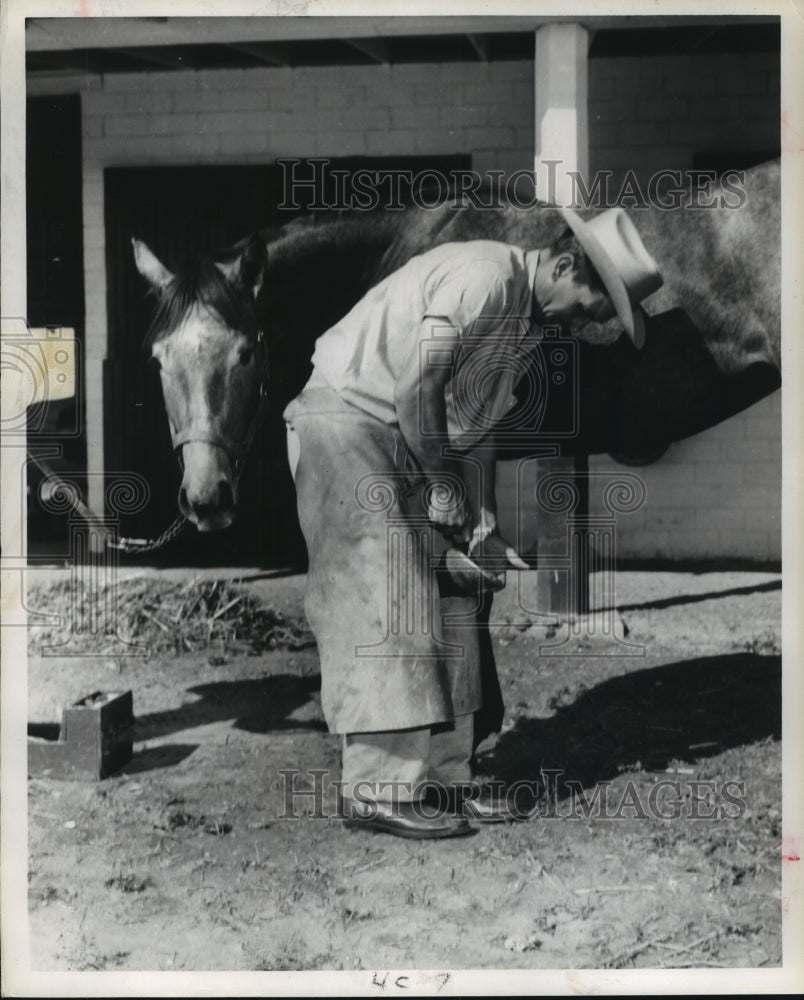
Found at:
(485, 565)
(448, 509)
(495, 553)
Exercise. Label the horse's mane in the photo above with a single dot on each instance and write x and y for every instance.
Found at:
(202, 283)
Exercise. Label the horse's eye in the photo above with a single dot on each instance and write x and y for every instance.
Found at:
(246, 356)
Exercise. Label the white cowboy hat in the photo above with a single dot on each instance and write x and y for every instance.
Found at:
(628, 271)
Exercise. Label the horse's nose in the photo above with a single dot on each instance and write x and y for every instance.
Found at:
(212, 511)
(207, 494)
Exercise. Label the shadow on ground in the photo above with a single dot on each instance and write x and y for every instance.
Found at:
(155, 758)
(257, 706)
(687, 710)
(710, 595)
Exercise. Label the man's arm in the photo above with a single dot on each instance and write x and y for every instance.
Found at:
(421, 410)
(479, 473)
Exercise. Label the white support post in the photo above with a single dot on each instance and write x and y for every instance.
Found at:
(562, 145)
(562, 109)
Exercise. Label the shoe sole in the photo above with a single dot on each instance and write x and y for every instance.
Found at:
(378, 826)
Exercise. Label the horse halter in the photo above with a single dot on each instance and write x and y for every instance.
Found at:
(204, 432)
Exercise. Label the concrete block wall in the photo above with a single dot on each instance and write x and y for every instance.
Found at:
(715, 495)
(654, 113)
(645, 114)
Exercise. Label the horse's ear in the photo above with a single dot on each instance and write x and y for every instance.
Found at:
(150, 267)
(247, 269)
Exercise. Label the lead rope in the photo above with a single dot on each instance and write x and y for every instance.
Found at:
(149, 544)
(123, 544)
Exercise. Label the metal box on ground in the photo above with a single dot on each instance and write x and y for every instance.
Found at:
(96, 739)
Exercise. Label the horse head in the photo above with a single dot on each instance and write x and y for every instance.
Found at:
(206, 341)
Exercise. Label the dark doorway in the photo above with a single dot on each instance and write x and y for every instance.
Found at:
(55, 269)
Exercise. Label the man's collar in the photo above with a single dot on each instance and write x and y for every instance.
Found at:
(536, 313)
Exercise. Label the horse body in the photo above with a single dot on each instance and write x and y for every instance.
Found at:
(712, 345)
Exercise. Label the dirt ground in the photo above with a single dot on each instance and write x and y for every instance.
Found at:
(182, 861)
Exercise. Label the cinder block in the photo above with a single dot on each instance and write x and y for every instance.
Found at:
(720, 519)
(364, 118)
(443, 93)
(484, 93)
(761, 495)
(690, 84)
(464, 72)
(607, 154)
(249, 143)
(244, 100)
(655, 158)
(368, 76)
(221, 79)
(391, 94)
(173, 124)
(489, 138)
(409, 73)
(691, 497)
(760, 132)
(462, 115)
(193, 146)
(703, 448)
(618, 110)
(222, 122)
(721, 473)
(343, 143)
(662, 109)
(412, 117)
(649, 542)
(149, 102)
(673, 517)
(197, 100)
(102, 103)
(125, 82)
(762, 106)
(754, 452)
(643, 133)
(442, 141)
(96, 739)
(390, 142)
(333, 77)
(748, 543)
(507, 160)
(340, 97)
(115, 125)
(716, 108)
(269, 120)
(292, 143)
(503, 70)
(730, 432)
(295, 98)
(602, 83)
(145, 149)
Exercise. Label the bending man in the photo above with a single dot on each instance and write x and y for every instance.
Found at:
(404, 388)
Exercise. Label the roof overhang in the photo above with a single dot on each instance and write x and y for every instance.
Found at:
(114, 44)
